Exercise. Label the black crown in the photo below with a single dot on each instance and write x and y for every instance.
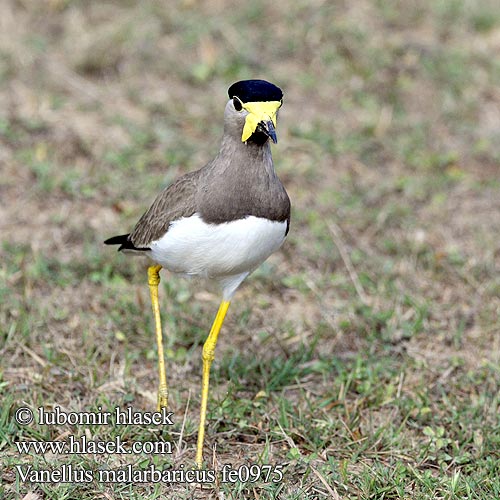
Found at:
(255, 91)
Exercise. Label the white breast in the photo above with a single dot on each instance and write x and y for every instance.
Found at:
(217, 251)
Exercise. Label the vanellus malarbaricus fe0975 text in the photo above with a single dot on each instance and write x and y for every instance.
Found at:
(220, 222)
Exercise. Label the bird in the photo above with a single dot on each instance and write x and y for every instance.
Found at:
(219, 222)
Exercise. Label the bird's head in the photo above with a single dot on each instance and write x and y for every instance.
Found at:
(252, 109)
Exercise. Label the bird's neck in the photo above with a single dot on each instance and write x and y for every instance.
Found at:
(239, 155)
(242, 182)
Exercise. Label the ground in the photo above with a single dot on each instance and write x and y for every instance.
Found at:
(363, 358)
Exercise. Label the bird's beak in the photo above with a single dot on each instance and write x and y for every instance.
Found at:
(268, 128)
(262, 115)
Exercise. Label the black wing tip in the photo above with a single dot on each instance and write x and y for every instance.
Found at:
(124, 242)
(122, 239)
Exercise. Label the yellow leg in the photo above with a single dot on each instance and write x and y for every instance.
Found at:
(153, 281)
(208, 357)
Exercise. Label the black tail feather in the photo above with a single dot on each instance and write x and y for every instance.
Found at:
(124, 242)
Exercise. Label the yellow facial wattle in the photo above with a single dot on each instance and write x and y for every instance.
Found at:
(258, 112)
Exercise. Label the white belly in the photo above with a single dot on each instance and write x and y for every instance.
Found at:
(217, 251)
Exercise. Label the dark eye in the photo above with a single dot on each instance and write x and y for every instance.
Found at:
(238, 105)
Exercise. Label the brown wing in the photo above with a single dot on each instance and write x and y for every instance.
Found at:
(176, 201)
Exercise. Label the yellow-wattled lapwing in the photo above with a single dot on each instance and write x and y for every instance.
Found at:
(220, 222)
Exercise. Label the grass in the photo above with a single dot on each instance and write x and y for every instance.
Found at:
(362, 360)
